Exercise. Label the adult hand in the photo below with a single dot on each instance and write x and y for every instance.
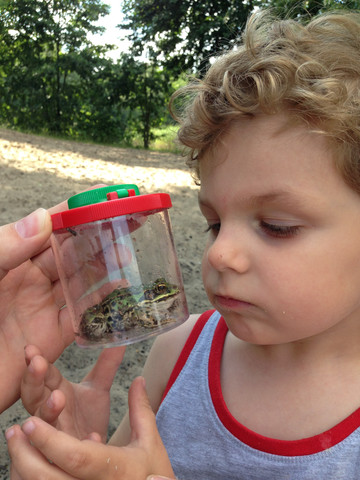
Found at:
(39, 450)
(31, 299)
(77, 409)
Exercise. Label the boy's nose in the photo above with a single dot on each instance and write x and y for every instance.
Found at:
(229, 251)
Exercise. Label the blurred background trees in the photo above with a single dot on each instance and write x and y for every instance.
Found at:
(185, 34)
(54, 80)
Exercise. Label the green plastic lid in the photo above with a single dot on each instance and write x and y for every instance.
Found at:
(98, 195)
(108, 202)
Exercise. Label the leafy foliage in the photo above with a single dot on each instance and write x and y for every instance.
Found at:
(307, 8)
(47, 58)
(185, 34)
(149, 90)
(53, 80)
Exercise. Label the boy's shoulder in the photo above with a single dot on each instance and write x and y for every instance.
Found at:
(162, 359)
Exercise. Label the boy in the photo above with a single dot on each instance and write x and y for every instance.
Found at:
(267, 386)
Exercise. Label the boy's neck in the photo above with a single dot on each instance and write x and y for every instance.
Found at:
(339, 344)
(305, 382)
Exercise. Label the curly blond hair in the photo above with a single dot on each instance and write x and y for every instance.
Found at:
(311, 71)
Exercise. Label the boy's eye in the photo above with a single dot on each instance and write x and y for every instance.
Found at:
(279, 231)
(214, 227)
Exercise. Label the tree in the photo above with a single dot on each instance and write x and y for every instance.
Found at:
(307, 8)
(44, 45)
(145, 89)
(185, 34)
(53, 80)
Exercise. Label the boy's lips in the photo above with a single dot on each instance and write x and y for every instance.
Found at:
(230, 303)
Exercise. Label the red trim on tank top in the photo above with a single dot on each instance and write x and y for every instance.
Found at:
(306, 446)
(187, 348)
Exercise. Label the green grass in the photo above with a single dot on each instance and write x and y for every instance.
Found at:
(165, 139)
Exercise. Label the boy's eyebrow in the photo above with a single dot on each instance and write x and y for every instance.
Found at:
(291, 198)
(280, 195)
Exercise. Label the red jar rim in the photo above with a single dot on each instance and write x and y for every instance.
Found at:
(112, 208)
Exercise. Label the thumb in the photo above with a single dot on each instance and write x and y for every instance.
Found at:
(22, 240)
(142, 418)
(144, 432)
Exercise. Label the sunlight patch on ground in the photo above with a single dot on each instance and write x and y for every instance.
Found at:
(73, 165)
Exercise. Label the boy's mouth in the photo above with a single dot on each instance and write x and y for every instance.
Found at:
(229, 303)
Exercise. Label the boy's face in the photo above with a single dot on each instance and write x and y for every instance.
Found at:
(282, 262)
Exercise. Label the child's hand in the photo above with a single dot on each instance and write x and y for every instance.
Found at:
(38, 450)
(77, 409)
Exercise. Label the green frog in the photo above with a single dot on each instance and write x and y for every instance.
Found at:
(142, 307)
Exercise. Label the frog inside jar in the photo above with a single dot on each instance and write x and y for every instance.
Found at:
(132, 308)
(118, 266)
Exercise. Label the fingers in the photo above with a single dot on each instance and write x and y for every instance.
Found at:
(103, 373)
(85, 459)
(27, 237)
(52, 408)
(38, 387)
(27, 462)
(46, 262)
(144, 432)
(22, 240)
(32, 385)
(30, 352)
(94, 437)
(142, 418)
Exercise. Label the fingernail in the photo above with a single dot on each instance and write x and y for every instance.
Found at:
(32, 224)
(9, 433)
(28, 427)
(50, 402)
(31, 366)
(152, 477)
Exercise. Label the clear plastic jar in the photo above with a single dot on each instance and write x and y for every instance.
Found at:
(117, 264)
